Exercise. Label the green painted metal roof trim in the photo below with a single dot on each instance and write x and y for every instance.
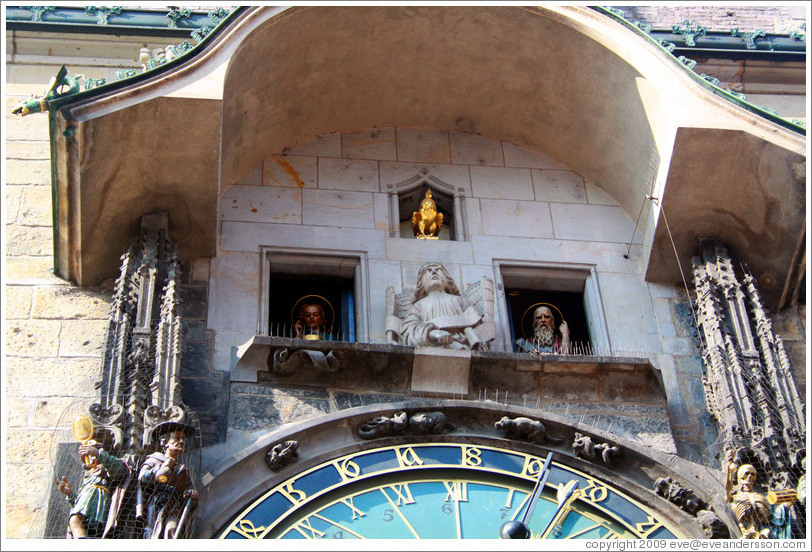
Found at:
(112, 86)
(114, 20)
(58, 103)
(706, 83)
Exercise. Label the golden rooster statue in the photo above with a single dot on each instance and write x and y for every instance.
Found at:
(427, 222)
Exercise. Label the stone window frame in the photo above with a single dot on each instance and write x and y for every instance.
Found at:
(424, 177)
(564, 277)
(317, 262)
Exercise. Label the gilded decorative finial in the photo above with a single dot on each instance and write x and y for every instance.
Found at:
(427, 222)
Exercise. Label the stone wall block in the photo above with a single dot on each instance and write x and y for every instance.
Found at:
(377, 143)
(526, 219)
(13, 199)
(423, 145)
(570, 388)
(340, 208)
(29, 172)
(82, 338)
(31, 127)
(599, 223)
(502, 183)
(66, 377)
(596, 195)
(18, 302)
(30, 271)
(25, 446)
(262, 204)
(28, 479)
(24, 516)
(643, 386)
(558, 186)
(348, 174)
(28, 240)
(516, 156)
(473, 149)
(28, 149)
(36, 208)
(67, 303)
(324, 145)
(33, 338)
(286, 171)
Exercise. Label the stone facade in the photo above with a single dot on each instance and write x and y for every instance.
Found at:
(55, 330)
(773, 18)
(331, 193)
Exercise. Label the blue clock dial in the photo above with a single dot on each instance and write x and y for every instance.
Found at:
(442, 490)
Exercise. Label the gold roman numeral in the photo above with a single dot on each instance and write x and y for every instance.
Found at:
(308, 531)
(403, 493)
(457, 491)
(356, 513)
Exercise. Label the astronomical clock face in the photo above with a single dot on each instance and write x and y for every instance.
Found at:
(447, 490)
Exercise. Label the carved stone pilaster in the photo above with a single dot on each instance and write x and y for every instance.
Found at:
(748, 383)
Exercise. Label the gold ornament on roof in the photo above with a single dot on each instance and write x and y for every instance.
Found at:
(427, 222)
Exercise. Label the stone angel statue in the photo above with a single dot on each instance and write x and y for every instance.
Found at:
(436, 314)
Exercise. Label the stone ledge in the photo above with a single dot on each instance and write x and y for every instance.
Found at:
(397, 369)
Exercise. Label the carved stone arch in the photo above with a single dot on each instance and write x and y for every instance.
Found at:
(405, 195)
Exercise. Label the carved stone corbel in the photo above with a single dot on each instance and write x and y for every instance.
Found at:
(584, 447)
(284, 363)
(525, 429)
(282, 454)
(421, 423)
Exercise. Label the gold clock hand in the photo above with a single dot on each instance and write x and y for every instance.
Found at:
(566, 496)
(518, 529)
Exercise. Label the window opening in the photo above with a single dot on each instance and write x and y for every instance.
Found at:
(313, 295)
(550, 310)
(312, 308)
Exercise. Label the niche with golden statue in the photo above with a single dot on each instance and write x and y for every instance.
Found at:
(426, 208)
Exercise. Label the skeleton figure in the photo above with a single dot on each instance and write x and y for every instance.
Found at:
(750, 507)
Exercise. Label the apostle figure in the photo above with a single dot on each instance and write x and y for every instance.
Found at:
(310, 323)
(546, 337)
(439, 316)
(95, 508)
(166, 494)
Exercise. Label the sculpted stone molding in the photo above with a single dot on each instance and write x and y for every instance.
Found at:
(282, 454)
(139, 402)
(284, 363)
(421, 423)
(584, 447)
(748, 383)
(437, 314)
(674, 492)
(525, 429)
